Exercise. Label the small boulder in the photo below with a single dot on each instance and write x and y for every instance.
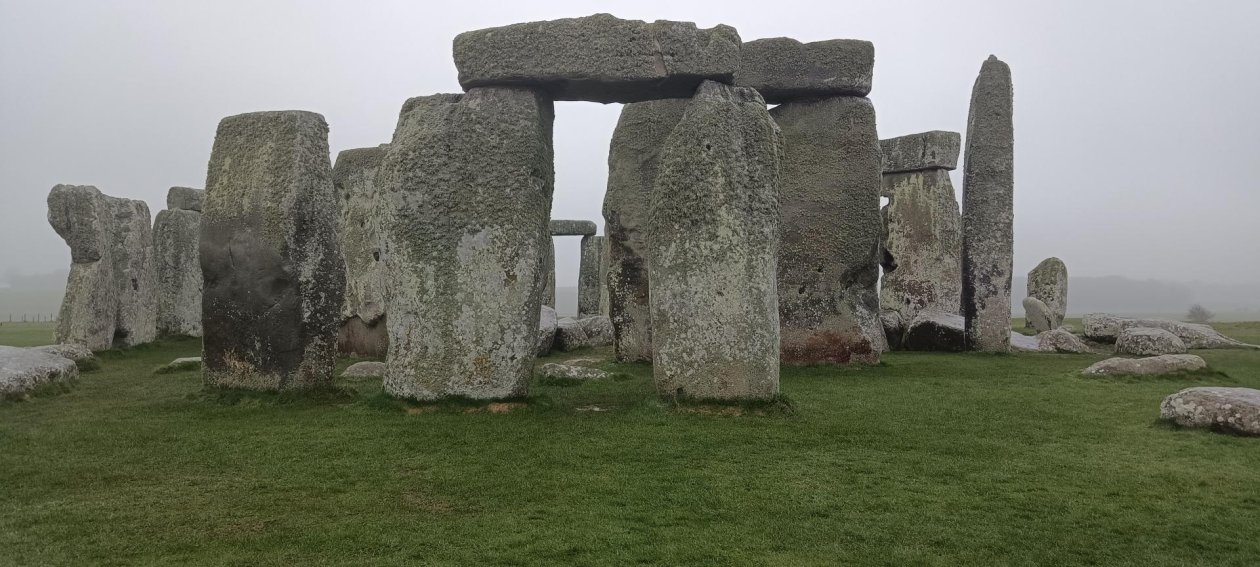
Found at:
(1062, 341)
(22, 370)
(599, 330)
(365, 369)
(569, 372)
(570, 335)
(546, 330)
(1146, 341)
(1038, 315)
(1150, 366)
(1235, 410)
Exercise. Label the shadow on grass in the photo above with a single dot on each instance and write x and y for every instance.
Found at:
(1205, 375)
(242, 397)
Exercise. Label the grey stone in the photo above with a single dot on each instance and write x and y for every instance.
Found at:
(22, 370)
(555, 371)
(894, 327)
(549, 274)
(70, 351)
(987, 211)
(365, 369)
(570, 335)
(176, 242)
(1048, 282)
(547, 323)
(598, 328)
(1106, 328)
(829, 258)
(1149, 366)
(633, 161)
(935, 331)
(180, 365)
(1147, 341)
(84, 218)
(572, 228)
(184, 199)
(936, 149)
(1038, 315)
(714, 243)
(1024, 343)
(135, 275)
(363, 330)
(466, 192)
(604, 308)
(1061, 340)
(590, 273)
(784, 69)
(598, 58)
(274, 278)
(1233, 410)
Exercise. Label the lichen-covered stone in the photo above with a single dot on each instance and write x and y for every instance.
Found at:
(555, 371)
(184, 199)
(829, 257)
(549, 274)
(362, 331)
(598, 58)
(365, 369)
(1233, 410)
(633, 161)
(783, 69)
(1038, 315)
(936, 149)
(561, 227)
(466, 190)
(589, 275)
(714, 243)
(1106, 328)
(604, 308)
(1048, 282)
(22, 370)
(547, 323)
(988, 210)
(84, 218)
(1062, 341)
(1147, 341)
(176, 243)
(1149, 366)
(598, 328)
(135, 276)
(570, 335)
(273, 274)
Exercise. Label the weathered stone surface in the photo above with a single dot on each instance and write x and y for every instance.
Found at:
(1147, 341)
(714, 243)
(783, 69)
(273, 272)
(549, 275)
(135, 276)
(185, 199)
(1061, 340)
(589, 275)
(363, 330)
(604, 308)
(1149, 366)
(936, 149)
(547, 322)
(987, 211)
(935, 331)
(1024, 343)
(1233, 410)
(633, 161)
(555, 371)
(23, 370)
(598, 58)
(570, 335)
(829, 259)
(1106, 328)
(894, 327)
(176, 243)
(1048, 282)
(598, 328)
(1038, 315)
(84, 218)
(466, 197)
(365, 369)
(561, 227)
(76, 353)
(180, 365)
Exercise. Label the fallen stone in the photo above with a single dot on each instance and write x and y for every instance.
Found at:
(1233, 410)
(590, 273)
(135, 275)
(180, 365)
(84, 218)
(23, 370)
(784, 69)
(1024, 343)
(598, 329)
(1146, 341)
(1038, 315)
(1062, 341)
(572, 228)
(936, 149)
(365, 369)
(570, 335)
(76, 353)
(555, 371)
(184, 199)
(547, 323)
(1149, 366)
(1106, 328)
(176, 242)
(1048, 282)
(362, 330)
(934, 331)
(598, 58)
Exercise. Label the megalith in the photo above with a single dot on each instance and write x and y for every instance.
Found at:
(84, 218)
(633, 160)
(274, 278)
(589, 275)
(988, 210)
(922, 248)
(362, 327)
(176, 236)
(465, 192)
(1049, 283)
(783, 69)
(713, 243)
(134, 275)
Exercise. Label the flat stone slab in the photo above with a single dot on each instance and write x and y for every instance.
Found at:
(573, 228)
(365, 369)
(936, 149)
(783, 69)
(23, 370)
(570, 372)
(1149, 366)
(1234, 410)
(599, 58)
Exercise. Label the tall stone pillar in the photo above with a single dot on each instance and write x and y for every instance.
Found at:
(589, 273)
(84, 218)
(362, 331)
(1048, 282)
(134, 275)
(176, 239)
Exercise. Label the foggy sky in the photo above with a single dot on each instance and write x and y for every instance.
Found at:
(1137, 124)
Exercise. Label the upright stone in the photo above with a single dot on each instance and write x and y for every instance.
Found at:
(84, 218)
(1049, 283)
(633, 160)
(988, 210)
(466, 192)
(714, 239)
(549, 274)
(829, 261)
(176, 235)
(273, 271)
(362, 331)
(135, 276)
(603, 278)
(589, 275)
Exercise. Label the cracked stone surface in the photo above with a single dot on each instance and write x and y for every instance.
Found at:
(362, 331)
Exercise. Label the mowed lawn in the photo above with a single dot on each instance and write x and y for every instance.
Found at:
(927, 459)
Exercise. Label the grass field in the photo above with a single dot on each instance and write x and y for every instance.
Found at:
(927, 459)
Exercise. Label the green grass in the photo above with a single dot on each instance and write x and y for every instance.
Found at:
(928, 459)
(26, 334)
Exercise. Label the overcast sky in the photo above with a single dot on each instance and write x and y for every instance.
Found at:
(1137, 124)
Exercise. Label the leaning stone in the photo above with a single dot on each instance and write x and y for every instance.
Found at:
(362, 331)
(466, 189)
(935, 331)
(176, 239)
(547, 323)
(1038, 315)
(555, 371)
(570, 335)
(23, 370)
(598, 58)
(599, 330)
(1060, 340)
(1233, 410)
(590, 273)
(714, 242)
(935, 149)
(1048, 282)
(365, 369)
(84, 218)
(784, 69)
(273, 272)
(633, 161)
(572, 228)
(1145, 341)
(987, 216)
(184, 199)
(1149, 366)
(828, 261)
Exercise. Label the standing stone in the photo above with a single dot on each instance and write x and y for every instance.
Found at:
(134, 275)
(589, 275)
(273, 271)
(84, 218)
(549, 274)
(603, 278)
(988, 214)
(714, 243)
(176, 235)
(1049, 283)
(466, 192)
(633, 160)
(829, 261)
(362, 331)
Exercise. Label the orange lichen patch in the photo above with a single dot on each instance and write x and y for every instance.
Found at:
(830, 347)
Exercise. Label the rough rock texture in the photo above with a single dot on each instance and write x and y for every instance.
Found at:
(598, 58)
(549, 275)
(1106, 328)
(633, 160)
(362, 331)
(1147, 341)
(184, 199)
(604, 308)
(570, 335)
(598, 328)
(988, 210)
(547, 323)
(1149, 366)
(135, 277)
(1233, 410)
(84, 218)
(466, 197)
(894, 327)
(23, 370)
(1061, 340)
(568, 372)
(365, 369)
(935, 331)
(589, 275)
(783, 69)
(76, 353)
(1048, 282)
(1038, 315)
(273, 271)
(714, 243)
(829, 257)
(1024, 343)
(176, 240)
(923, 229)
(562, 227)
